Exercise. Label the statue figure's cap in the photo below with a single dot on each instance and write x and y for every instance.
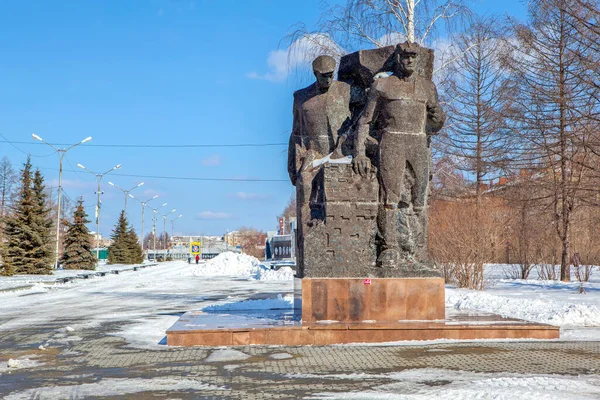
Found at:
(408, 48)
(324, 64)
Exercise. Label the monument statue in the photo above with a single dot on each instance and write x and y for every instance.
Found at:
(362, 211)
(321, 116)
(404, 110)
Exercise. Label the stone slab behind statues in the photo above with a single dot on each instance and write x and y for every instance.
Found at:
(339, 237)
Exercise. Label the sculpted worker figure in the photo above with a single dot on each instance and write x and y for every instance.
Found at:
(321, 115)
(404, 110)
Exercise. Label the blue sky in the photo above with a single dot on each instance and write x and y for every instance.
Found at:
(158, 72)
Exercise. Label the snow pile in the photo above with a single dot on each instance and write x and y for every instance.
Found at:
(279, 303)
(546, 311)
(229, 263)
(282, 274)
(242, 265)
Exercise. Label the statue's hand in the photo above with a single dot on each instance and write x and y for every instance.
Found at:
(434, 114)
(361, 165)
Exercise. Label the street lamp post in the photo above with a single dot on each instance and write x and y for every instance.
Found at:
(98, 192)
(126, 192)
(61, 153)
(173, 224)
(173, 228)
(143, 203)
(165, 225)
(155, 210)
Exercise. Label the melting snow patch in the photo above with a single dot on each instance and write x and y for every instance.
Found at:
(279, 303)
(226, 355)
(457, 385)
(19, 363)
(112, 387)
(281, 356)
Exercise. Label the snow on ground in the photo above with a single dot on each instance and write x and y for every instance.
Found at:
(114, 387)
(226, 355)
(145, 303)
(20, 363)
(550, 302)
(140, 306)
(457, 385)
(279, 303)
(38, 282)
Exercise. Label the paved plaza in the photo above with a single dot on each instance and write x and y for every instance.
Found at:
(80, 364)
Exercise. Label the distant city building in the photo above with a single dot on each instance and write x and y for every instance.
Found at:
(280, 246)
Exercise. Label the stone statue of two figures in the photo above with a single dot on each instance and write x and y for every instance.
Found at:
(360, 158)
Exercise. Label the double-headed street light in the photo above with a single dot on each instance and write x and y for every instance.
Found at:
(98, 192)
(155, 211)
(126, 192)
(61, 154)
(166, 235)
(173, 224)
(143, 203)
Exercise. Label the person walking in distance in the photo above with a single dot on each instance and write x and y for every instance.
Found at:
(197, 258)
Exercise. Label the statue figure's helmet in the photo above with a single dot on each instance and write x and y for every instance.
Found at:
(407, 48)
(324, 64)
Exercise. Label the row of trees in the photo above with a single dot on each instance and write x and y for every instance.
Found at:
(27, 240)
(522, 101)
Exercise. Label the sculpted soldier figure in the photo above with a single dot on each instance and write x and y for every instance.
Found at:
(321, 116)
(403, 108)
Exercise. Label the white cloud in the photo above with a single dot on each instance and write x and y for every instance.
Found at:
(250, 196)
(298, 55)
(211, 161)
(214, 215)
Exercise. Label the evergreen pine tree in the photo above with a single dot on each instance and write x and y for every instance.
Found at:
(44, 252)
(28, 247)
(21, 238)
(117, 251)
(78, 242)
(125, 248)
(137, 254)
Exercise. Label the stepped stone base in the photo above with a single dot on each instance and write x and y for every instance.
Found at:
(350, 310)
(199, 329)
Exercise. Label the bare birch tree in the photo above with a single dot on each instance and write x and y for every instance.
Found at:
(377, 23)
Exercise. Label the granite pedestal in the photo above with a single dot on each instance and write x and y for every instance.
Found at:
(351, 310)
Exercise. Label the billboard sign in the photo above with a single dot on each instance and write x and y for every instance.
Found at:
(195, 248)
